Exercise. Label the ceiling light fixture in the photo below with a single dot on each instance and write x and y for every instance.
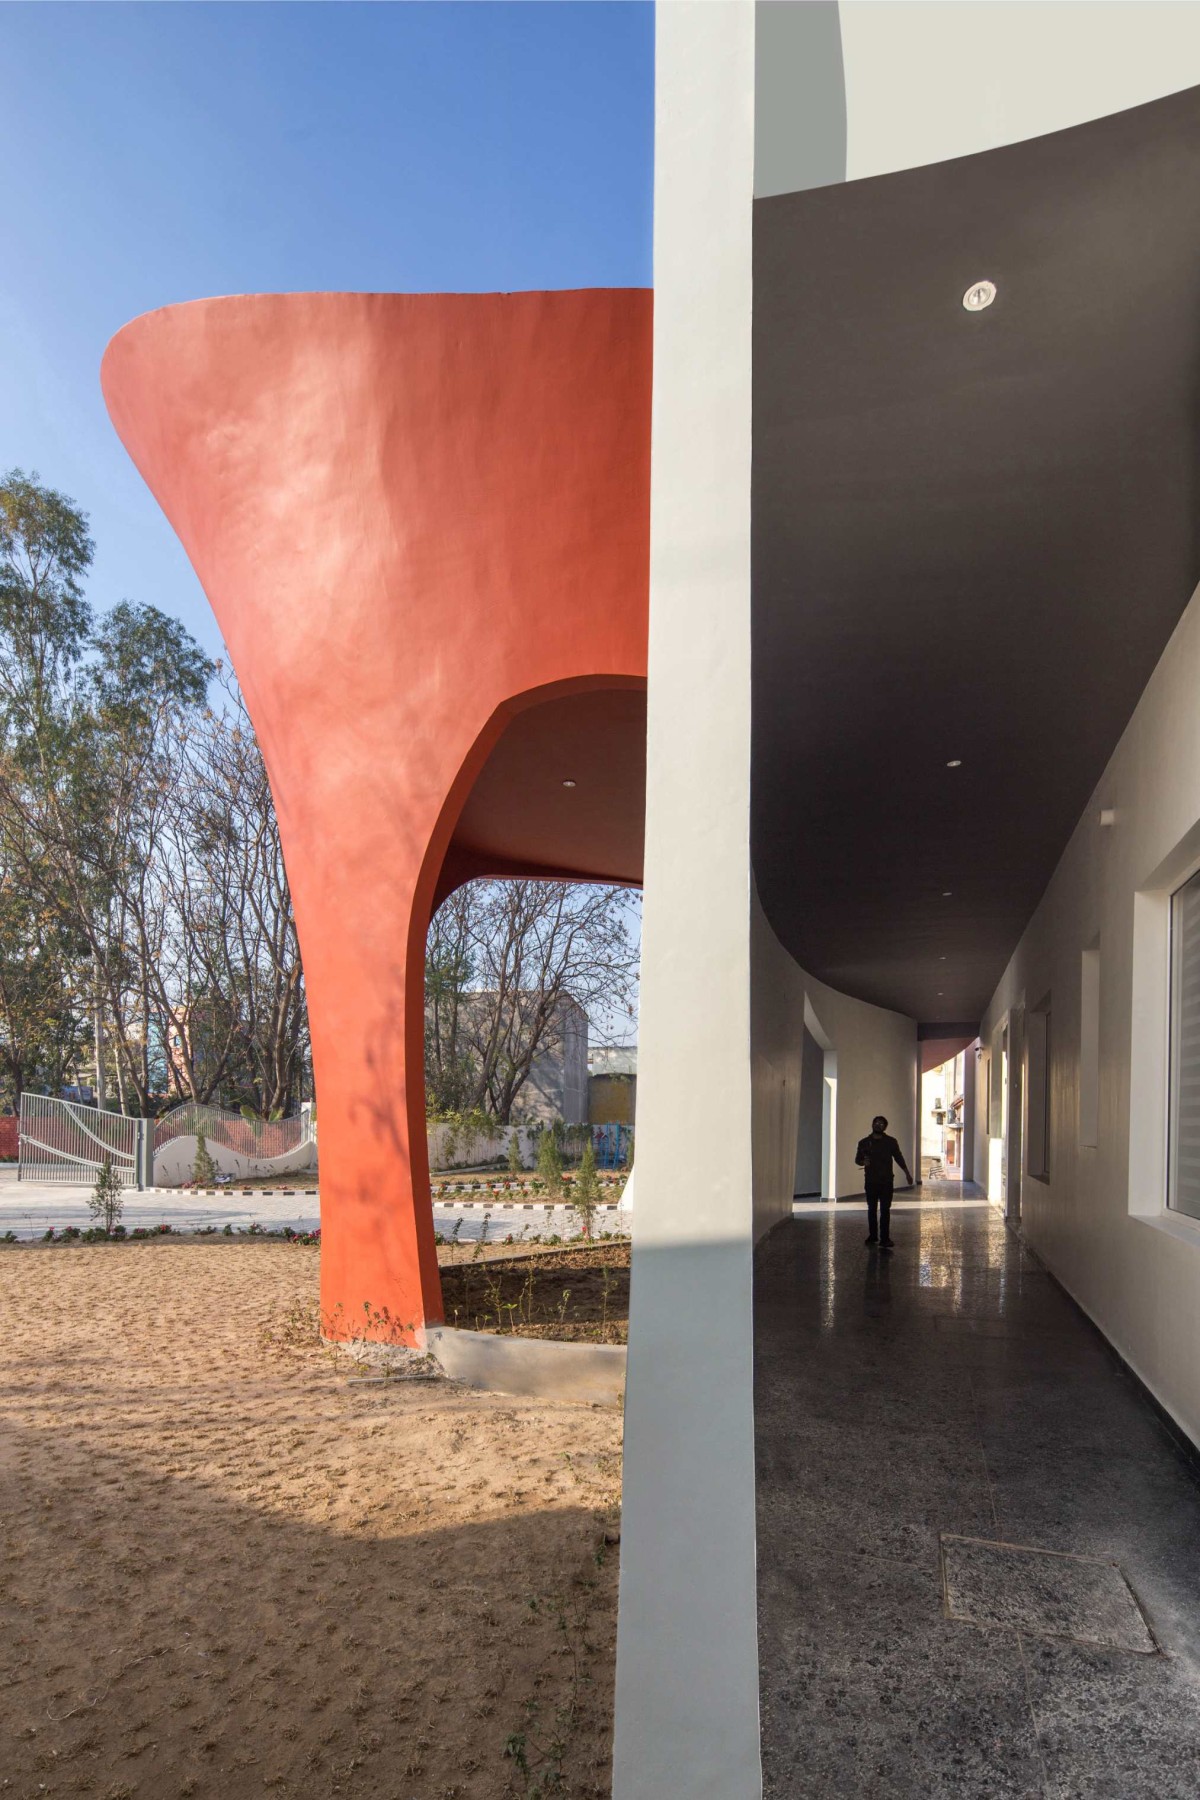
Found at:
(955, 762)
(947, 893)
(568, 784)
(979, 295)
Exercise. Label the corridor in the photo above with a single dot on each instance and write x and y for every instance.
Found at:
(950, 1391)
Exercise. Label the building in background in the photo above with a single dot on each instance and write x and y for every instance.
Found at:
(557, 1086)
(612, 1084)
(943, 1098)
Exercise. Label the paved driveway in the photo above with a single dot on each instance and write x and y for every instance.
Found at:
(28, 1208)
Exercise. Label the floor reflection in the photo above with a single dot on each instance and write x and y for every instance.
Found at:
(950, 1387)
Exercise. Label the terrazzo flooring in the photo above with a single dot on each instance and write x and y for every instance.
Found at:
(914, 1412)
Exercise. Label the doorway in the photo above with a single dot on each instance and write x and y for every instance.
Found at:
(1014, 1115)
(829, 1128)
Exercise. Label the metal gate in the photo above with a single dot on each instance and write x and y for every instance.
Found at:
(611, 1144)
(63, 1141)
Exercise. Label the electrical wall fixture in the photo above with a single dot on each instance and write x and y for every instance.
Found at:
(568, 783)
(979, 295)
(1108, 815)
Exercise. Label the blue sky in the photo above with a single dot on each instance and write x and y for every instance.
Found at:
(160, 152)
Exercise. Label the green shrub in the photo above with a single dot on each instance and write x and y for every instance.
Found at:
(204, 1169)
(105, 1203)
(585, 1191)
(549, 1164)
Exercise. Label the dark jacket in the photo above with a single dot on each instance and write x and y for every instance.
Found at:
(875, 1156)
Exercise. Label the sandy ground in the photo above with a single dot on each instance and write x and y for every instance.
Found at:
(228, 1568)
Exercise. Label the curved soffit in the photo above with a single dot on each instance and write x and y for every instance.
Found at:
(563, 793)
(972, 533)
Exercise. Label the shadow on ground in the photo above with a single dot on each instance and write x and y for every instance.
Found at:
(228, 1571)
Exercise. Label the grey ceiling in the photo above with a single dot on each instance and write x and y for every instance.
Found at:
(973, 533)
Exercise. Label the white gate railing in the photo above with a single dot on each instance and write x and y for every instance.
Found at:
(239, 1147)
(64, 1141)
(60, 1140)
(261, 1140)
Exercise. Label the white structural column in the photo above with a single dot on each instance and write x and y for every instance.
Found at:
(687, 1658)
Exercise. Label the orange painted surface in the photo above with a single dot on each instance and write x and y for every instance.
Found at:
(413, 516)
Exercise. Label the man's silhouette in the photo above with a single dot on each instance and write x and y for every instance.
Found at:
(875, 1157)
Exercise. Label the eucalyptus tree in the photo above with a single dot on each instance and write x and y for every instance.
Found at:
(86, 713)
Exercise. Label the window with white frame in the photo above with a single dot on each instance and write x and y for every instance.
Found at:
(1183, 1168)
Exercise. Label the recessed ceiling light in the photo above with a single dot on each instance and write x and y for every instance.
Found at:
(955, 762)
(979, 295)
(568, 784)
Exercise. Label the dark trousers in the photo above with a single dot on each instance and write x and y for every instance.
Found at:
(879, 1209)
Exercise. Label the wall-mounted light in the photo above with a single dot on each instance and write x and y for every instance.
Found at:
(568, 784)
(979, 295)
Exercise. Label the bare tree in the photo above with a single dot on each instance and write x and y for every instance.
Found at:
(503, 958)
(240, 1020)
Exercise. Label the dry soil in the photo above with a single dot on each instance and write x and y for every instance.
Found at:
(229, 1567)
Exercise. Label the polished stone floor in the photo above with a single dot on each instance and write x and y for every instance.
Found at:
(915, 1411)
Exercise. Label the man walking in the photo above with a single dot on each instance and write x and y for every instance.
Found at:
(875, 1157)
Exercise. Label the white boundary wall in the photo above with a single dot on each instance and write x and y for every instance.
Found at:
(175, 1163)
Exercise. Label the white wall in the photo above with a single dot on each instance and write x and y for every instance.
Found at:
(687, 1647)
(876, 1063)
(452, 1148)
(877, 1073)
(1099, 1221)
(925, 80)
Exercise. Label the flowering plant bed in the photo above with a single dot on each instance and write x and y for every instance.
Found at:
(141, 1234)
(443, 1185)
(571, 1292)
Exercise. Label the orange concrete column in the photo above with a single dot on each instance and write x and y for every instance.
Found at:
(409, 514)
